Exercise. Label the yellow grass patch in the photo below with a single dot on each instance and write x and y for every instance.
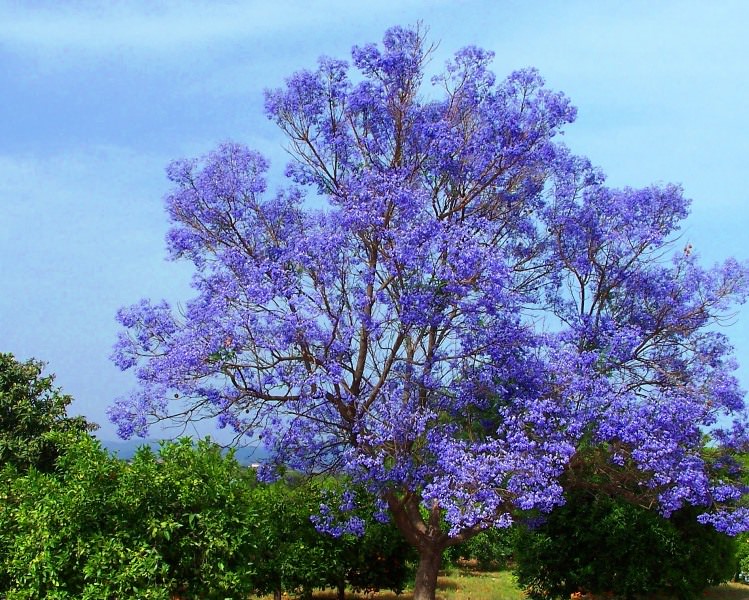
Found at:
(469, 584)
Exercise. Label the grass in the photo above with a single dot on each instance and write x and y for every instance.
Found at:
(728, 591)
(459, 584)
(467, 583)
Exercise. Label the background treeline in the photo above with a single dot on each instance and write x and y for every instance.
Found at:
(184, 521)
(190, 522)
(187, 521)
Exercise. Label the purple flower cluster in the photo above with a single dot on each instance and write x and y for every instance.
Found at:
(472, 308)
(340, 519)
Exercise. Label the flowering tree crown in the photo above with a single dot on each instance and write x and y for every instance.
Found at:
(471, 314)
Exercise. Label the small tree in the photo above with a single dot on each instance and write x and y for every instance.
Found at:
(599, 544)
(371, 554)
(292, 555)
(195, 507)
(30, 406)
(491, 549)
(471, 307)
(177, 524)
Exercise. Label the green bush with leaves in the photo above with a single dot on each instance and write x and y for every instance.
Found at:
(30, 407)
(742, 558)
(290, 554)
(491, 549)
(185, 522)
(197, 510)
(294, 557)
(177, 523)
(379, 559)
(599, 544)
(58, 527)
(739, 461)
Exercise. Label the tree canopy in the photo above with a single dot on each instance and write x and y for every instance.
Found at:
(30, 408)
(470, 310)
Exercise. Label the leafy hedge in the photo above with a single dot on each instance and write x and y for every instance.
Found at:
(187, 522)
(600, 544)
(31, 407)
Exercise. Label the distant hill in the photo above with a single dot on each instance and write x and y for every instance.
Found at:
(125, 449)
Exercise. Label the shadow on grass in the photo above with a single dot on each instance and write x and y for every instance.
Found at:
(471, 568)
(499, 585)
(443, 584)
(728, 591)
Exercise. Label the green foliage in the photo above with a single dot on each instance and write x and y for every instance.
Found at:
(380, 559)
(186, 521)
(196, 511)
(294, 557)
(741, 461)
(291, 555)
(491, 549)
(180, 523)
(30, 406)
(600, 544)
(60, 526)
(742, 558)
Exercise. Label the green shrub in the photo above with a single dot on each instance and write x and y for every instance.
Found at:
(30, 408)
(492, 549)
(294, 557)
(742, 558)
(599, 544)
(186, 521)
(193, 505)
(378, 559)
(180, 523)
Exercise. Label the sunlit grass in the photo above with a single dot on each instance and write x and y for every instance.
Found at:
(469, 584)
(459, 584)
(728, 591)
(466, 584)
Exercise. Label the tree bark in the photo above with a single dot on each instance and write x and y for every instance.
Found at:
(425, 535)
(425, 586)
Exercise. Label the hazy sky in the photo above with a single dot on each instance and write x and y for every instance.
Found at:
(96, 98)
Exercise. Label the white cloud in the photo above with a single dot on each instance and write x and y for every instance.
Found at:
(171, 26)
(662, 89)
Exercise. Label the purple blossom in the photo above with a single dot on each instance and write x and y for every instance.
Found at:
(471, 311)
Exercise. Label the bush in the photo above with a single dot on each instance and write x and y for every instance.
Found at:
(194, 506)
(177, 524)
(59, 527)
(30, 408)
(290, 554)
(294, 557)
(379, 558)
(742, 558)
(185, 522)
(492, 549)
(599, 544)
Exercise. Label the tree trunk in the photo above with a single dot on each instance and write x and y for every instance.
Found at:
(425, 586)
(277, 594)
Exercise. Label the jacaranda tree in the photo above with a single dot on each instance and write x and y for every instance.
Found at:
(471, 310)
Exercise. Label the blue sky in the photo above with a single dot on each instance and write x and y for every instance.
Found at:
(96, 98)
